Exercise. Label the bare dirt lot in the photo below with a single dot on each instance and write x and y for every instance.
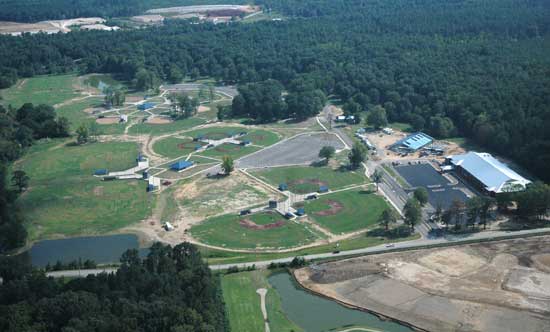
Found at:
(158, 120)
(15, 29)
(107, 120)
(497, 286)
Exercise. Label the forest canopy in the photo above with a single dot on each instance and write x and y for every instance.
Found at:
(478, 69)
(171, 290)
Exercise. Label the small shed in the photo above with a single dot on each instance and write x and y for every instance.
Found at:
(151, 188)
(323, 189)
(272, 204)
(283, 187)
(140, 158)
(101, 171)
(145, 175)
(181, 165)
(168, 226)
(300, 212)
(245, 143)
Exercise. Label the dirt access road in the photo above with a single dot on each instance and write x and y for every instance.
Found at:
(497, 286)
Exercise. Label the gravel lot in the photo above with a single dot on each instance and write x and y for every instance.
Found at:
(299, 150)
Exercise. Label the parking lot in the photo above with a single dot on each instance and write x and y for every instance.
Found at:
(299, 150)
(440, 190)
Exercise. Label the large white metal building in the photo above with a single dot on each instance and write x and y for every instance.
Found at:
(487, 173)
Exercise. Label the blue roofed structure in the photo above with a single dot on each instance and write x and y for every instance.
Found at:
(413, 142)
(181, 165)
(487, 173)
(145, 106)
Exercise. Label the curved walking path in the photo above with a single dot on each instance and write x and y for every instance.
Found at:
(262, 292)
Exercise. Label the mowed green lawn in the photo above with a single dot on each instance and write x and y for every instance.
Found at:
(64, 199)
(226, 231)
(174, 147)
(358, 210)
(49, 90)
(305, 179)
(260, 137)
(227, 149)
(243, 303)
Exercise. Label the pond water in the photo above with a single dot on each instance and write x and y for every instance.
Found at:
(100, 249)
(317, 314)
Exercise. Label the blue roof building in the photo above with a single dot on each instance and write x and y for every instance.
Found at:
(102, 171)
(145, 106)
(181, 165)
(323, 189)
(413, 142)
(283, 187)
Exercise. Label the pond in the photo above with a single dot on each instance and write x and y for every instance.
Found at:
(100, 249)
(317, 314)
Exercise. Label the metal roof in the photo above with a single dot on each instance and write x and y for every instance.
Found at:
(181, 164)
(495, 176)
(414, 141)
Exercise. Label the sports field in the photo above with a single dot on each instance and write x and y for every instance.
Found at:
(159, 129)
(261, 230)
(228, 149)
(64, 198)
(243, 303)
(346, 211)
(174, 147)
(307, 179)
(48, 90)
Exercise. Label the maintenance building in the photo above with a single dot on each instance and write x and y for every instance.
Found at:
(486, 173)
(412, 143)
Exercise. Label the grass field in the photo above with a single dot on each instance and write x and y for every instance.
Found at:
(356, 210)
(65, 199)
(260, 137)
(174, 147)
(159, 129)
(303, 179)
(49, 90)
(227, 231)
(227, 149)
(243, 303)
(74, 112)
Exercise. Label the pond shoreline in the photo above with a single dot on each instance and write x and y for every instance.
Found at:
(353, 307)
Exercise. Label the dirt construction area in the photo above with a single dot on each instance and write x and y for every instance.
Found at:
(496, 286)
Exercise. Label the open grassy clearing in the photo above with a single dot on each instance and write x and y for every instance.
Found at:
(260, 230)
(346, 211)
(159, 129)
(65, 199)
(75, 113)
(304, 179)
(243, 303)
(260, 137)
(227, 149)
(48, 90)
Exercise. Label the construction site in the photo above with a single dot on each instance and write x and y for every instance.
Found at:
(495, 286)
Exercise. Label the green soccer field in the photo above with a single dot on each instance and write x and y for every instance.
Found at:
(346, 211)
(64, 199)
(305, 179)
(271, 231)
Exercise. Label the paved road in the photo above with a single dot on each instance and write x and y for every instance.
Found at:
(229, 91)
(449, 240)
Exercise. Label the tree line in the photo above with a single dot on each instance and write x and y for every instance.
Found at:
(476, 69)
(170, 290)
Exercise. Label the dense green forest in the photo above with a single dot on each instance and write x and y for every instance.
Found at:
(38, 10)
(171, 290)
(474, 68)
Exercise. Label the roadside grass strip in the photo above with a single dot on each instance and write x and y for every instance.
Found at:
(346, 211)
(260, 230)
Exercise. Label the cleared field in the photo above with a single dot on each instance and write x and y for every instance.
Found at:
(48, 90)
(304, 179)
(174, 147)
(65, 199)
(76, 114)
(243, 303)
(260, 230)
(346, 211)
(260, 137)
